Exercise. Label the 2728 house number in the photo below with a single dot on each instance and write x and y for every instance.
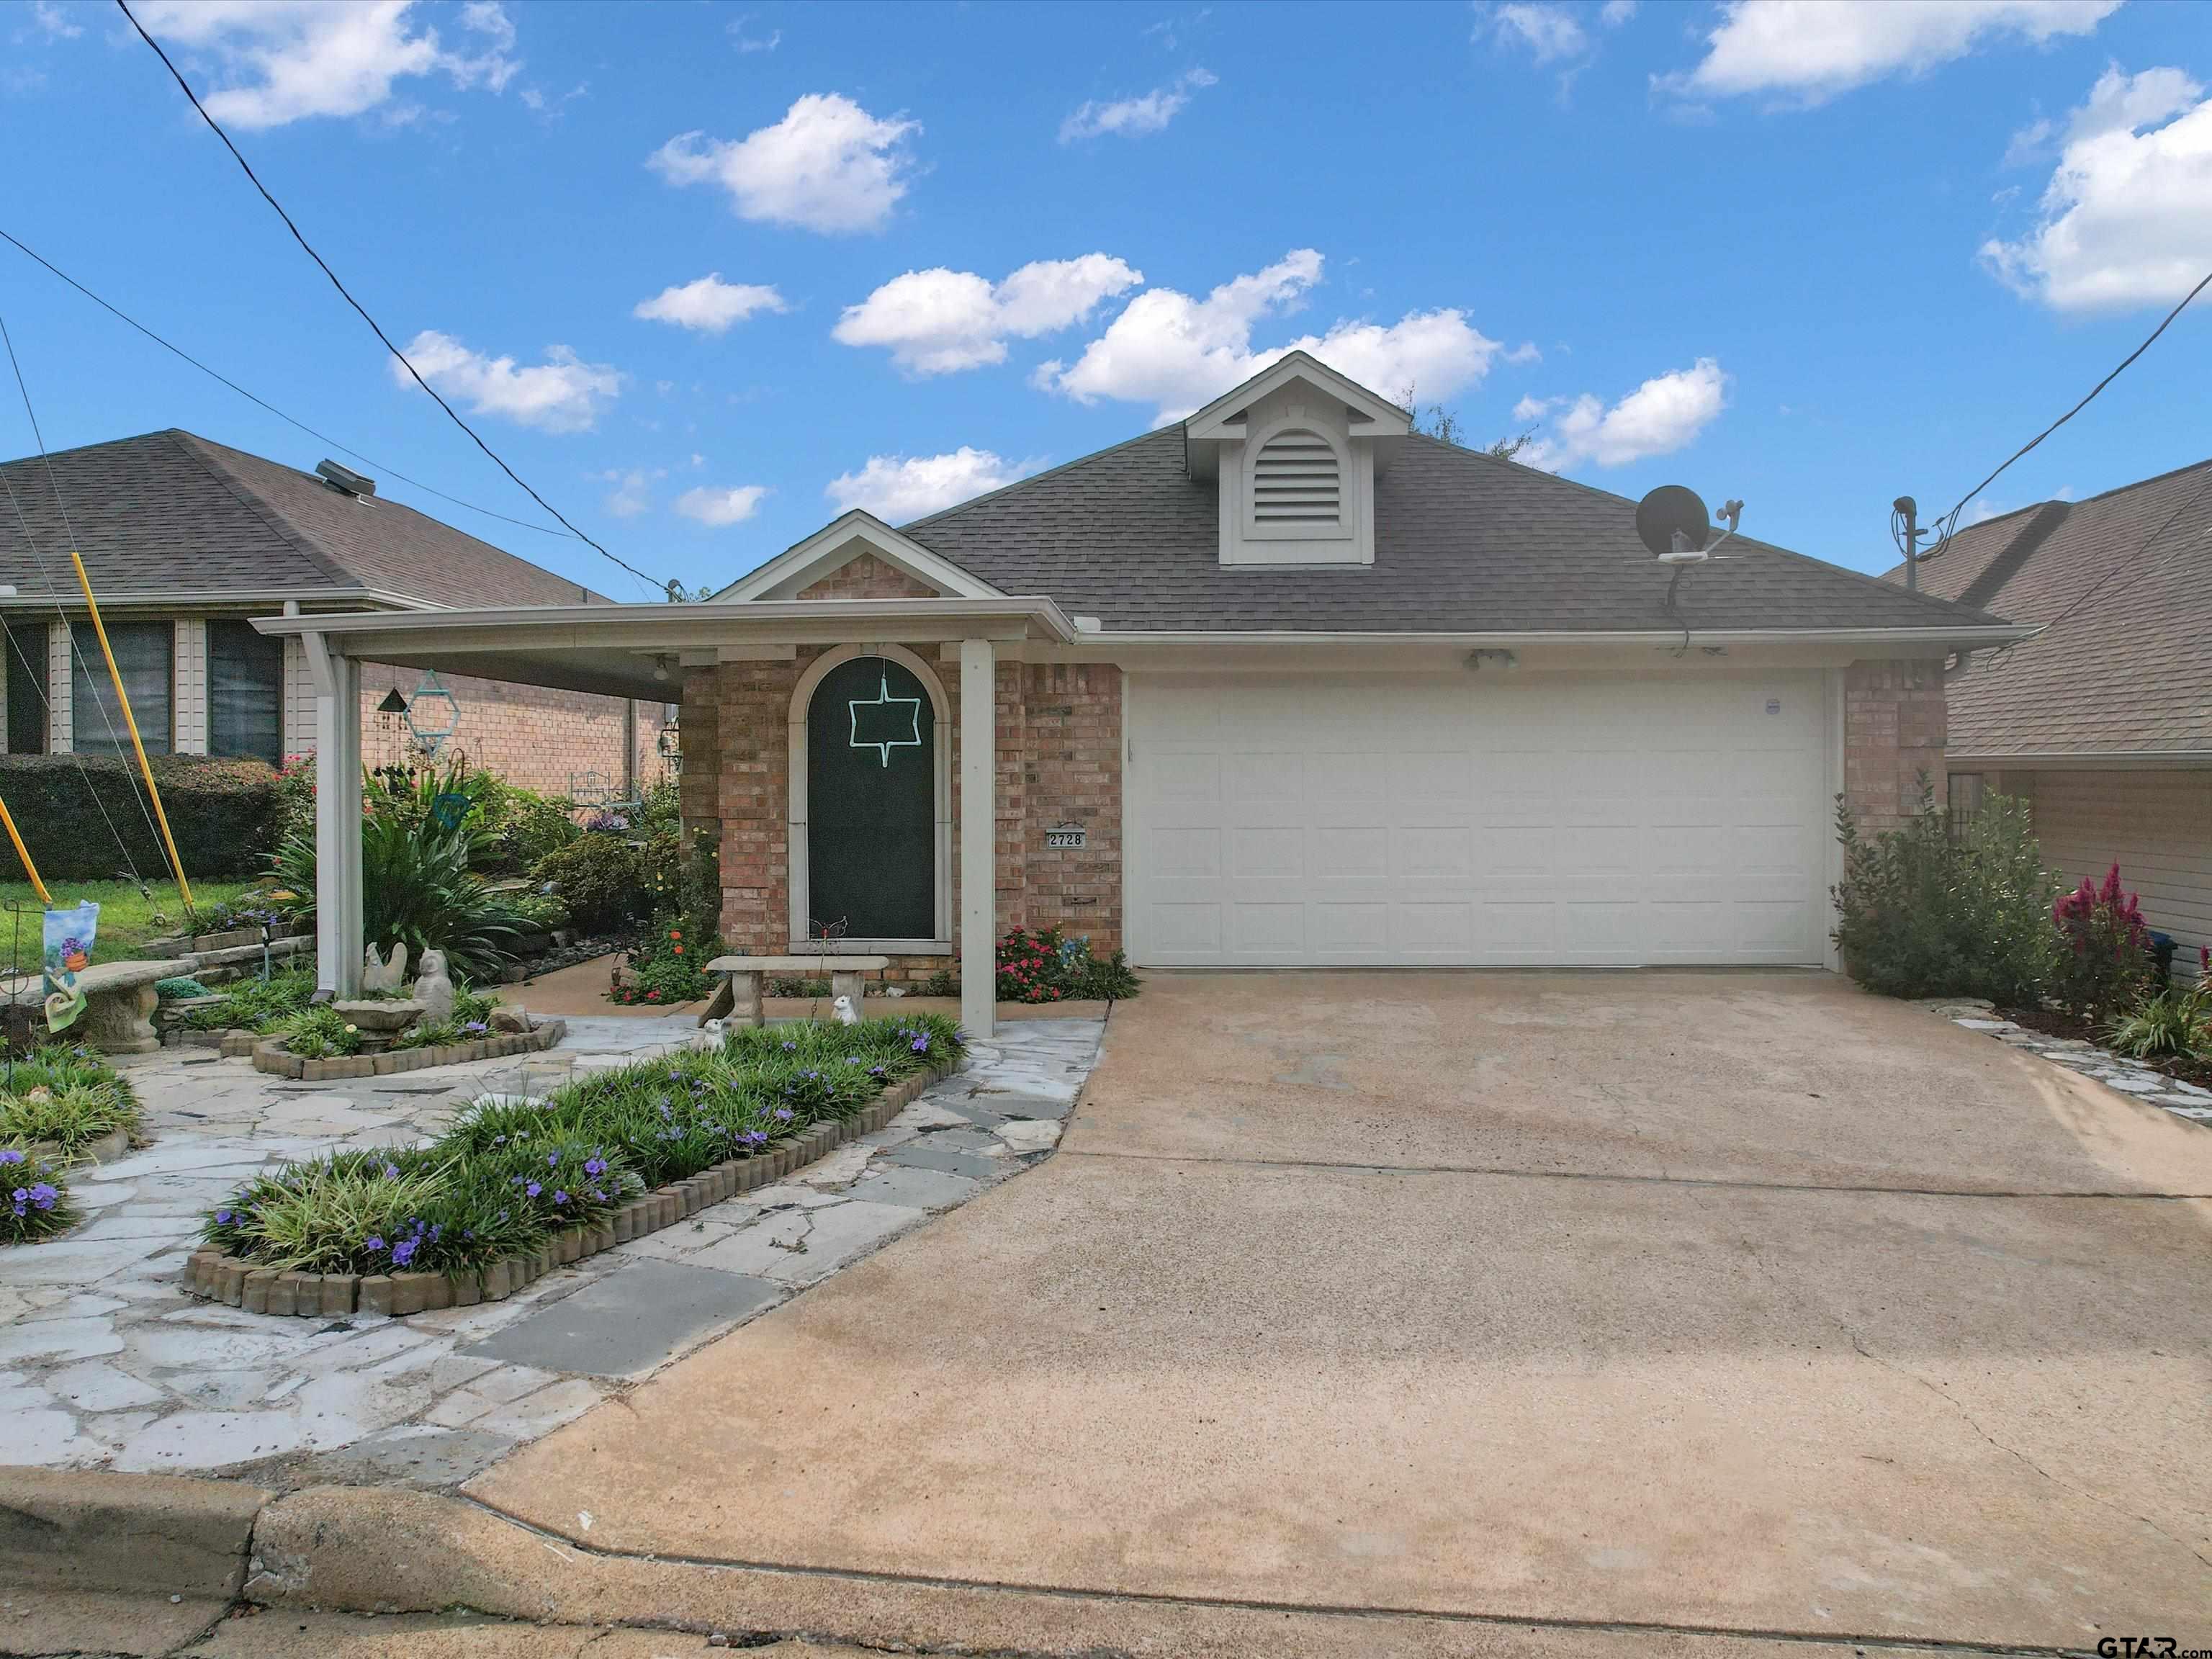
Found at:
(1066, 835)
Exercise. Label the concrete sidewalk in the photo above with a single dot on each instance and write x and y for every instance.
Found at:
(1740, 1303)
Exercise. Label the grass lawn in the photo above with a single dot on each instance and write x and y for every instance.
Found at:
(126, 922)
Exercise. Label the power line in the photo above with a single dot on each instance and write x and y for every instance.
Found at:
(383, 468)
(375, 327)
(2149, 542)
(1949, 522)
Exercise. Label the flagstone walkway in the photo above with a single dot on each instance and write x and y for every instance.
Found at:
(106, 1363)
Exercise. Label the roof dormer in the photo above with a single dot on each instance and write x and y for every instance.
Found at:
(1295, 450)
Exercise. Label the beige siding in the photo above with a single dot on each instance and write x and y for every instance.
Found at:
(2158, 825)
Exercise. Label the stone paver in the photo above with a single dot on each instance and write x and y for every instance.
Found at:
(2184, 1099)
(106, 1363)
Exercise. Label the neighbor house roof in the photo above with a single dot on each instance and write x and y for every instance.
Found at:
(173, 511)
(2124, 583)
(1464, 541)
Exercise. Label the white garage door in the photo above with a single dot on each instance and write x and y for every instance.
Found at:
(1493, 818)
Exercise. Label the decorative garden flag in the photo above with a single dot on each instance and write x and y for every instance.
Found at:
(69, 938)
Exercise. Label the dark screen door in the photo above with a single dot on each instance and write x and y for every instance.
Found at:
(871, 803)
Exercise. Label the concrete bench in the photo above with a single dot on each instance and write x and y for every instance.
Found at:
(743, 980)
(118, 1006)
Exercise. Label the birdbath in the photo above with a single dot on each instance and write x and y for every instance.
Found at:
(381, 1019)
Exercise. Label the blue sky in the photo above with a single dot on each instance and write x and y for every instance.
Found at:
(1813, 257)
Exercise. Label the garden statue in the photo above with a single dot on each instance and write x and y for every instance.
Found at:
(432, 989)
(843, 1009)
(382, 974)
(707, 1039)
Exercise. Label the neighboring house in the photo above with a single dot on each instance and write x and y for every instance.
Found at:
(186, 540)
(2103, 722)
(1282, 684)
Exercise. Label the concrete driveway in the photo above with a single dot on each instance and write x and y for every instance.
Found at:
(1671, 1302)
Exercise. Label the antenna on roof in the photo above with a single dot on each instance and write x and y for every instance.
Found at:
(1672, 523)
(344, 479)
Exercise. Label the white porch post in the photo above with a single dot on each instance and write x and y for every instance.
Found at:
(338, 817)
(979, 834)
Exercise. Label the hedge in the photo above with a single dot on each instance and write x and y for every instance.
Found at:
(223, 813)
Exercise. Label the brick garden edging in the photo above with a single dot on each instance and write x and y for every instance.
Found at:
(241, 1284)
(270, 1055)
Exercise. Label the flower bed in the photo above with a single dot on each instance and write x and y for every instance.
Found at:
(515, 1189)
(273, 1055)
(34, 1198)
(66, 1105)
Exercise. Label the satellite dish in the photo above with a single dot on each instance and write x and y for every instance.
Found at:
(1671, 521)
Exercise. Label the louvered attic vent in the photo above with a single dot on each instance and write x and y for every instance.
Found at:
(1295, 481)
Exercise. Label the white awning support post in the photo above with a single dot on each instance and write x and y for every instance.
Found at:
(338, 817)
(979, 835)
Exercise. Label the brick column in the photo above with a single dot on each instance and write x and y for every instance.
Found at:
(1895, 722)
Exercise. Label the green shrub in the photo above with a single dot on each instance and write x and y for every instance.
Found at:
(2104, 952)
(319, 1033)
(67, 1096)
(2168, 1021)
(508, 1176)
(1923, 912)
(252, 1004)
(180, 986)
(601, 879)
(225, 814)
(34, 1201)
(417, 885)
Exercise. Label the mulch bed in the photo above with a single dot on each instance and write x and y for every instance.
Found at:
(2058, 1022)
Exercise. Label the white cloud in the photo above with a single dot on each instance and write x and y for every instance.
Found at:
(2126, 219)
(561, 394)
(1176, 352)
(940, 321)
(1134, 117)
(1812, 50)
(288, 60)
(1659, 417)
(1547, 28)
(752, 43)
(827, 166)
(53, 19)
(632, 494)
(709, 304)
(721, 508)
(897, 489)
(1614, 13)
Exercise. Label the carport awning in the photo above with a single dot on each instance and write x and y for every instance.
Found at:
(630, 650)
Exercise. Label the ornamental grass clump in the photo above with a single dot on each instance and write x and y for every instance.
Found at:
(254, 1005)
(64, 1096)
(321, 1032)
(508, 1175)
(34, 1198)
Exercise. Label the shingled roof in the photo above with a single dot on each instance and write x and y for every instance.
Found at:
(1464, 543)
(171, 511)
(2123, 581)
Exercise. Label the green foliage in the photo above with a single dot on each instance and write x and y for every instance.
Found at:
(417, 885)
(600, 876)
(468, 1021)
(2168, 1023)
(66, 1093)
(34, 1200)
(225, 815)
(1923, 912)
(2103, 956)
(180, 985)
(319, 1033)
(942, 983)
(797, 987)
(1048, 966)
(252, 1005)
(508, 1176)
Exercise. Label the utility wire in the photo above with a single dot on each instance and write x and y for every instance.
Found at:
(375, 327)
(1948, 522)
(2148, 542)
(382, 467)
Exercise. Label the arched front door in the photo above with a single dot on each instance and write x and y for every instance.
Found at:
(872, 802)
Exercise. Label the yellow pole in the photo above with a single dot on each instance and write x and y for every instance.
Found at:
(123, 702)
(24, 853)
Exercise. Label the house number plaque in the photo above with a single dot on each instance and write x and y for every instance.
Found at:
(1066, 835)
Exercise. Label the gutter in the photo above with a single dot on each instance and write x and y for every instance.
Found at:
(2087, 760)
(1965, 637)
(617, 627)
(173, 599)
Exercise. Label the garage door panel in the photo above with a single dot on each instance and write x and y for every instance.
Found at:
(1535, 820)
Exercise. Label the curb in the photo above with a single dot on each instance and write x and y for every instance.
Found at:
(91, 1529)
(215, 1277)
